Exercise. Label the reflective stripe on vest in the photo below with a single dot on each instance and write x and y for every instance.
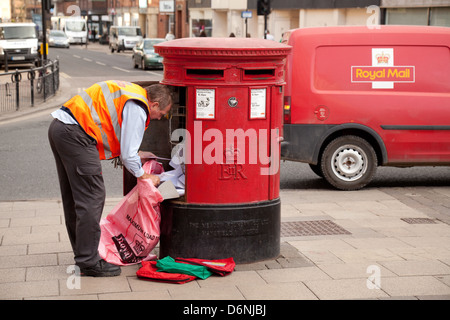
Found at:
(99, 108)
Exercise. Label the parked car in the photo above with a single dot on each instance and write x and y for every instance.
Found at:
(144, 54)
(57, 38)
(357, 98)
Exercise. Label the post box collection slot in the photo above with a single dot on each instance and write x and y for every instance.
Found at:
(205, 74)
(259, 74)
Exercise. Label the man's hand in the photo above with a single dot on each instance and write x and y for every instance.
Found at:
(155, 179)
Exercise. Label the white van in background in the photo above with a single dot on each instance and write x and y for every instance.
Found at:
(75, 28)
(19, 42)
(124, 38)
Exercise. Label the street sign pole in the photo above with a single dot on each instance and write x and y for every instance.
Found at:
(44, 30)
(246, 15)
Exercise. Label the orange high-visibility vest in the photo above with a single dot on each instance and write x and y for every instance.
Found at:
(98, 110)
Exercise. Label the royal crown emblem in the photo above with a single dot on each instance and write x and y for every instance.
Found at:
(382, 58)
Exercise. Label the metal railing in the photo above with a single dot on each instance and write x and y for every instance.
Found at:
(26, 88)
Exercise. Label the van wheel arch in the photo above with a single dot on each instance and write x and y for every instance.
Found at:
(364, 132)
(362, 139)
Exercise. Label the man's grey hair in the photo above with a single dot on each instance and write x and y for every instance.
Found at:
(159, 93)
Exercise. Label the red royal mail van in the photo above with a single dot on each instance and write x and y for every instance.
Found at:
(357, 98)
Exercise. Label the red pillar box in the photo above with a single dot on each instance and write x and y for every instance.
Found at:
(232, 90)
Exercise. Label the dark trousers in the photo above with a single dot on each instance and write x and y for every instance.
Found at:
(82, 188)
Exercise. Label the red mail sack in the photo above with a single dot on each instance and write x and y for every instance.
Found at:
(131, 230)
(221, 267)
(149, 271)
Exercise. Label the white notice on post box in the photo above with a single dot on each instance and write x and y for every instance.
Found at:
(257, 103)
(205, 100)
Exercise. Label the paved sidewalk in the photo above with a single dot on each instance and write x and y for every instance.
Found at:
(335, 245)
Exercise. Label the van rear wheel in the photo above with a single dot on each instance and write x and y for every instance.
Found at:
(349, 163)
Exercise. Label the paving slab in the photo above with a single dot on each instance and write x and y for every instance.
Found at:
(28, 289)
(417, 267)
(206, 293)
(292, 274)
(343, 289)
(277, 291)
(414, 286)
(354, 270)
(91, 285)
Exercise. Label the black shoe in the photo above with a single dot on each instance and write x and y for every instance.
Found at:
(101, 269)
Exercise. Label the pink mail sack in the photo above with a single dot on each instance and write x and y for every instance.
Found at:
(131, 230)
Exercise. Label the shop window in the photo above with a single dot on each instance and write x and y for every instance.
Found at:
(435, 16)
(407, 16)
(440, 17)
(201, 28)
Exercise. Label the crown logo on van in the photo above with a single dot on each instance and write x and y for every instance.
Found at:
(383, 73)
(383, 58)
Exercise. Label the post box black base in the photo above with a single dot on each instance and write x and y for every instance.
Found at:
(246, 232)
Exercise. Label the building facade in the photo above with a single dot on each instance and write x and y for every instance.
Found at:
(221, 18)
(156, 18)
